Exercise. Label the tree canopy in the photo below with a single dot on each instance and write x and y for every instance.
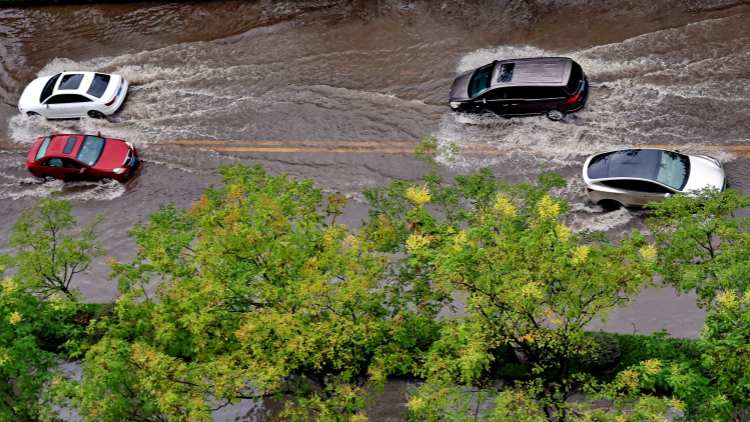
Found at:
(475, 290)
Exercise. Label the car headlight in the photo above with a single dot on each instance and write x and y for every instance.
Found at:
(454, 104)
(119, 170)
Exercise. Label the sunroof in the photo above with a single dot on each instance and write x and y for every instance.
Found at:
(69, 144)
(506, 72)
(72, 81)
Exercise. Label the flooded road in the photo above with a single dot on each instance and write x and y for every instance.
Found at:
(341, 92)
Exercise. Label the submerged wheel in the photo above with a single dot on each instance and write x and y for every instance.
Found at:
(95, 114)
(609, 204)
(555, 115)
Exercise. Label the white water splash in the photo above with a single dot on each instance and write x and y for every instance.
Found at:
(105, 190)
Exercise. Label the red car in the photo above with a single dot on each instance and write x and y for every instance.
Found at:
(76, 157)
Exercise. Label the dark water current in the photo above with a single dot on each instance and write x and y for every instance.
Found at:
(340, 91)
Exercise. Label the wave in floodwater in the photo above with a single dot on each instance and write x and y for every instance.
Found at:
(105, 190)
(687, 86)
(258, 85)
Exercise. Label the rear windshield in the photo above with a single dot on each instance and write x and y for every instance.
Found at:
(481, 79)
(42, 148)
(98, 85)
(576, 75)
(72, 81)
(91, 150)
(666, 167)
(47, 90)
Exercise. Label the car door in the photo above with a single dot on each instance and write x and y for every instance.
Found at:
(62, 168)
(67, 105)
(502, 101)
(637, 193)
(540, 99)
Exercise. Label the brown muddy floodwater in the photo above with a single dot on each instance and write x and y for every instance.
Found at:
(341, 91)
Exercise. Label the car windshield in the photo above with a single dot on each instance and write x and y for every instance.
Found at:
(666, 167)
(673, 169)
(47, 90)
(481, 79)
(91, 150)
(98, 85)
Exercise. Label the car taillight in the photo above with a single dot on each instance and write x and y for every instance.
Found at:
(573, 99)
(112, 101)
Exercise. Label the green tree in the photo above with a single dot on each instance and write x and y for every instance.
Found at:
(40, 320)
(261, 294)
(529, 284)
(33, 335)
(52, 247)
(703, 244)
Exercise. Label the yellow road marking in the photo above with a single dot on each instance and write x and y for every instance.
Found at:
(364, 146)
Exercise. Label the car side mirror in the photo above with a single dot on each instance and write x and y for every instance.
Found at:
(667, 195)
(46, 105)
(82, 170)
(484, 101)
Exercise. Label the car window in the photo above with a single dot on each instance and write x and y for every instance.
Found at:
(481, 79)
(67, 99)
(69, 144)
(539, 92)
(98, 85)
(47, 90)
(71, 164)
(517, 92)
(72, 81)
(43, 148)
(54, 162)
(91, 150)
(496, 94)
(636, 185)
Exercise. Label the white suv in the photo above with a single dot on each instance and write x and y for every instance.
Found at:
(635, 177)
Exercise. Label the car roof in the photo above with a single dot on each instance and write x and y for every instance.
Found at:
(57, 143)
(544, 71)
(82, 87)
(636, 163)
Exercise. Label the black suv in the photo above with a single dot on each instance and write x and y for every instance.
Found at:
(546, 85)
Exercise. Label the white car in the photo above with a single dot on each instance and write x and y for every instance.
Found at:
(635, 177)
(74, 94)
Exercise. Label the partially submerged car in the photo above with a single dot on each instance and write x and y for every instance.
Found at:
(77, 157)
(74, 94)
(553, 86)
(635, 177)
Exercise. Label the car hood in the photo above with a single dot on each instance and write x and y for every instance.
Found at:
(30, 96)
(705, 172)
(460, 87)
(114, 154)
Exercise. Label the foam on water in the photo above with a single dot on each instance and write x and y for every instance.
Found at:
(84, 191)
